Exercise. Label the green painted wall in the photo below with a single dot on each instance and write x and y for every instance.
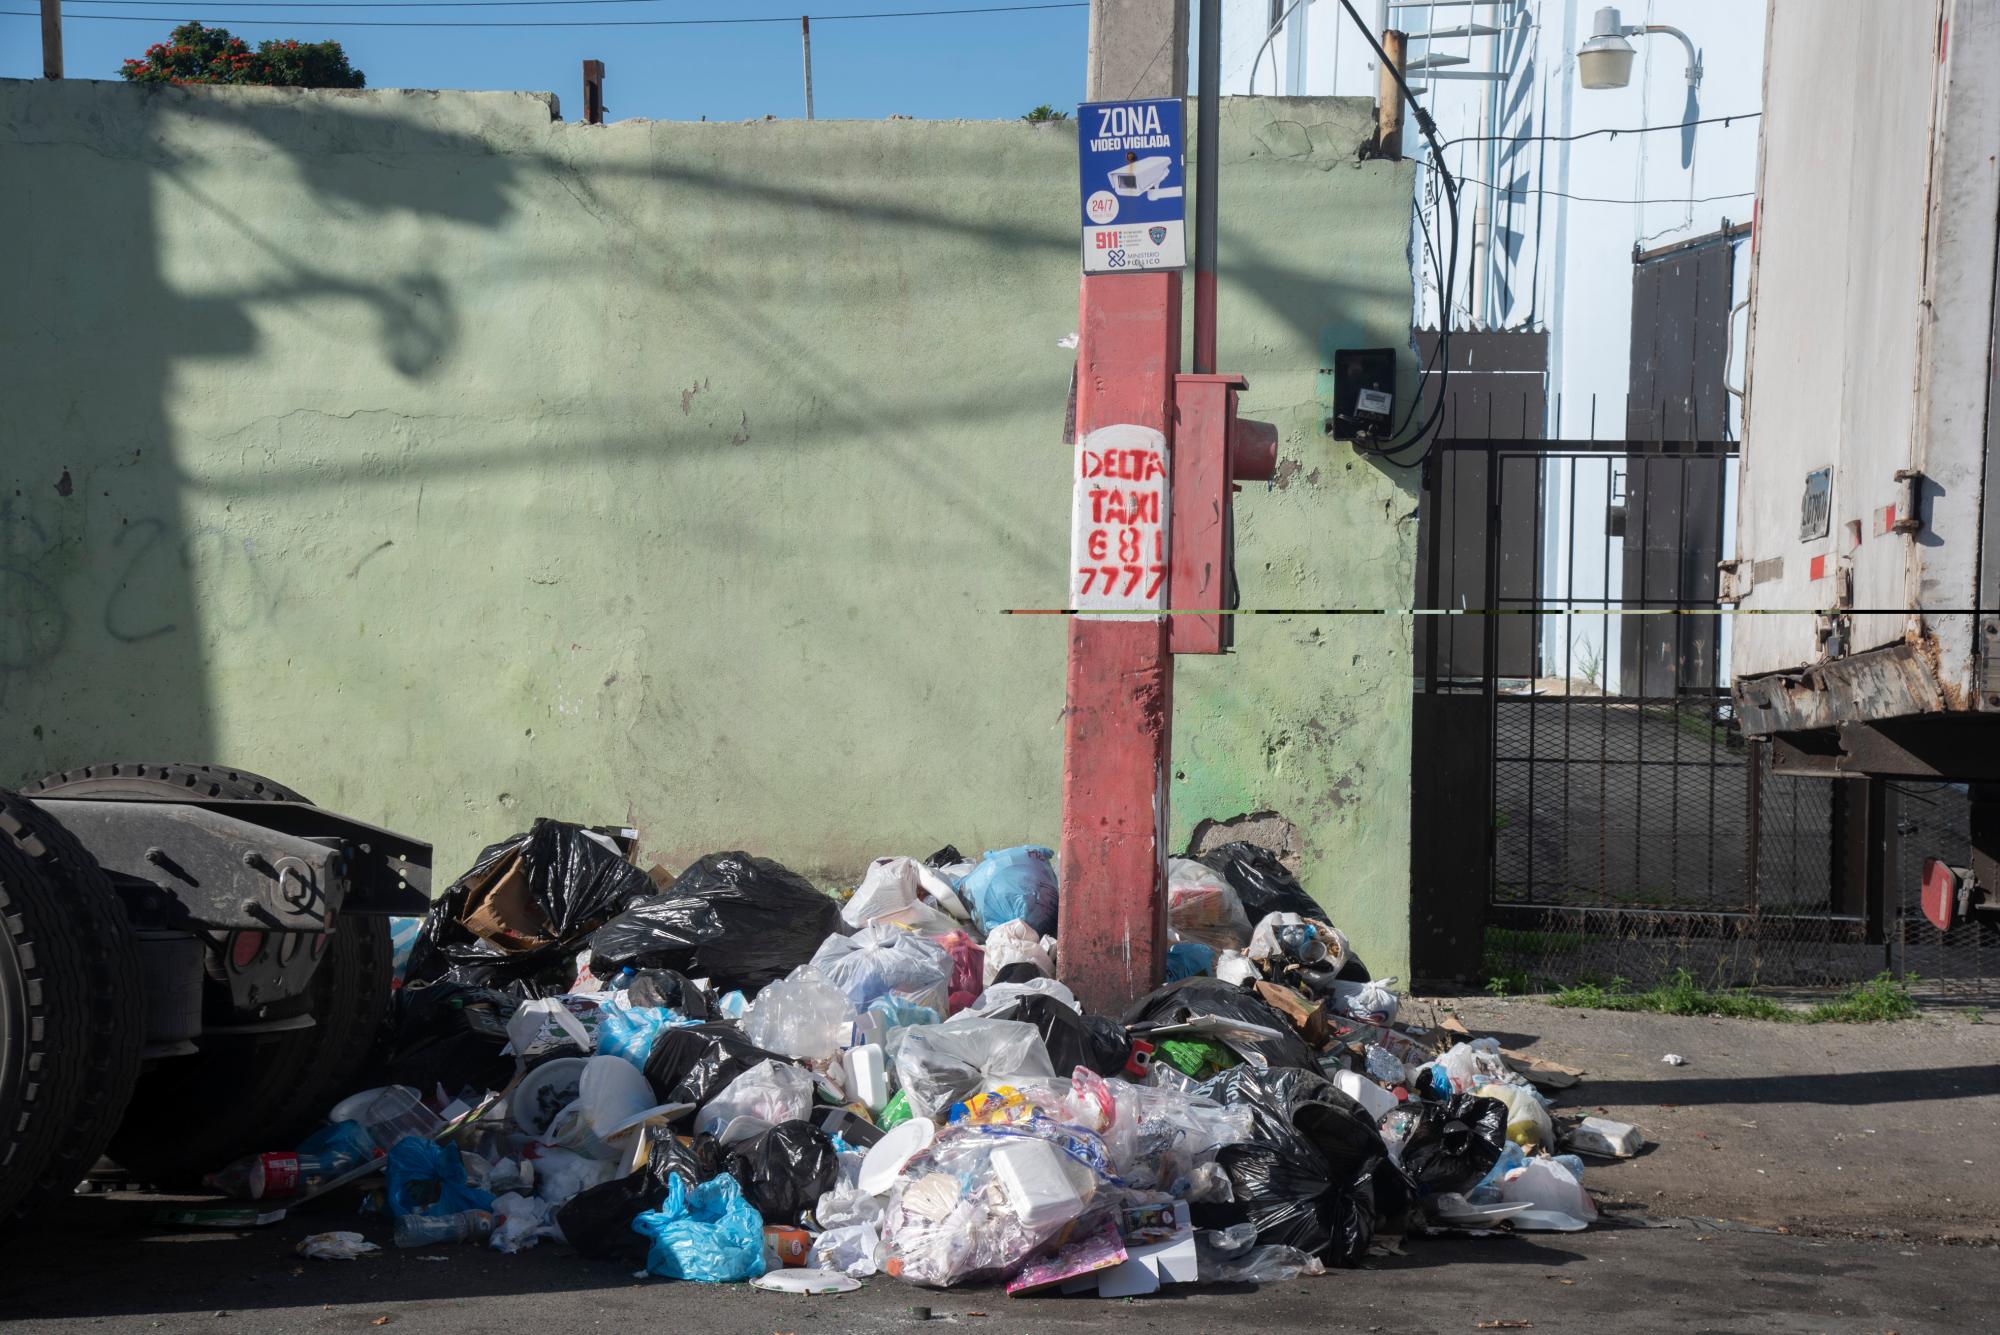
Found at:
(458, 465)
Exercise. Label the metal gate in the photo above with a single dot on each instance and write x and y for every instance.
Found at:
(1624, 827)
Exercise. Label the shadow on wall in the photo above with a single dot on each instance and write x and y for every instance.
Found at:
(101, 636)
(102, 651)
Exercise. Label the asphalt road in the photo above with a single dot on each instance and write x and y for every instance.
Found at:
(1854, 1165)
(100, 1267)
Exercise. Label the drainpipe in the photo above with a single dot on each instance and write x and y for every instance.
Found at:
(1208, 133)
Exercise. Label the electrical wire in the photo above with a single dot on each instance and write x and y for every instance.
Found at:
(1591, 134)
(1447, 286)
(546, 23)
(1589, 199)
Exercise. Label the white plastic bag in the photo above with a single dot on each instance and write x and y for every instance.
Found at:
(1001, 995)
(519, 1222)
(882, 959)
(1013, 943)
(800, 1015)
(1203, 906)
(1371, 1003)
(769, 1093)
(940, 1064)
(560, 1174)
(905, 892)
(1548, 1184)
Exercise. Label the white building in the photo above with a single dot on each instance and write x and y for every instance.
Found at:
(1554, 208)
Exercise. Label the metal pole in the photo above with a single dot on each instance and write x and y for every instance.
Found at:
(1208, 134)
(806, 43)
(52, 61)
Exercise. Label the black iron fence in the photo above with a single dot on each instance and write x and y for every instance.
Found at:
(1584, 794)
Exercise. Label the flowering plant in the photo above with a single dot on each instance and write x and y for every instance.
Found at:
(196, 54)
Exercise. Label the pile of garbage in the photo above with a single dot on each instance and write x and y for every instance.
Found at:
(730, 1075)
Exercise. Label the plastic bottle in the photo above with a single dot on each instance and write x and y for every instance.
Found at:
(280, 1173)
(419, 1230)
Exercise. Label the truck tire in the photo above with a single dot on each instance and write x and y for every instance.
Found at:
(244, 1093)
(71, 1025)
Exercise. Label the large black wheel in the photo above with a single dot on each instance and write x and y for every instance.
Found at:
(248, 1092)
(72, 1019)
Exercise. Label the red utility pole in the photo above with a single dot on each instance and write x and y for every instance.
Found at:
(1118, 718)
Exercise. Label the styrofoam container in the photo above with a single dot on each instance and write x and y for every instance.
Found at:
(1040, 1192)
(1376, 1101)
(867, 1072)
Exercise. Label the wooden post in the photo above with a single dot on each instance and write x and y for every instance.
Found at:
(1389, 97)
(806, 44)
(593, 92)
(52, 64)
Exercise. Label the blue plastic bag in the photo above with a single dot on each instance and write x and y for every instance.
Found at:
(709, 1234)
(899, 1012)
(343, 1145)
(1189, 959)
(1012, 883)
(414, 1162)
(628, 1031)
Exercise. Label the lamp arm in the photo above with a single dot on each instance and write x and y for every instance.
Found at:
(1694, 57)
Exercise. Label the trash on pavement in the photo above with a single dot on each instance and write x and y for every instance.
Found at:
(729, 1075)
(337, 1246)
(1605, 1138)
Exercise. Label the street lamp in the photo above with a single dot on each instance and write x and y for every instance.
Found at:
(1605, 61)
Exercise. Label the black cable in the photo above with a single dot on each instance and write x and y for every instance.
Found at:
(549, 23)
(1448, 285)
(1589, 134)
(1589, 199)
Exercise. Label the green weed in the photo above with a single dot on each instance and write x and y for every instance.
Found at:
(1880, 999)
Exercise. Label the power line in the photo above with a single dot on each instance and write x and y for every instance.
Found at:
(545, 23)
(1588, 199)
(1591, 134)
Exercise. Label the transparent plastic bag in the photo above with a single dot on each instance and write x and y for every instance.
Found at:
(968, 969)
(709, 1233)
(1203, 907)
(854, 1250)
(961, 1212)
(879, 960)
(802, 1015)
(1232, 1256)
(769, 1093)
(940, 1064)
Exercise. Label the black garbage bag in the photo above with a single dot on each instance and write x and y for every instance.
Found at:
(1020, 971)
(1454, 1144)
(1073, 1040)
(519, 912)
(1317, 1176)
(668, 990)
(947, 856)
(1193, 998)
(653, 932)
(785, 1170)
(1261, 882)
(597, 1221)
(447, 1033)
(694, 1063)
(737, 920)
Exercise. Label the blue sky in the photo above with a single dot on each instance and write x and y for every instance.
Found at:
(980, 66)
